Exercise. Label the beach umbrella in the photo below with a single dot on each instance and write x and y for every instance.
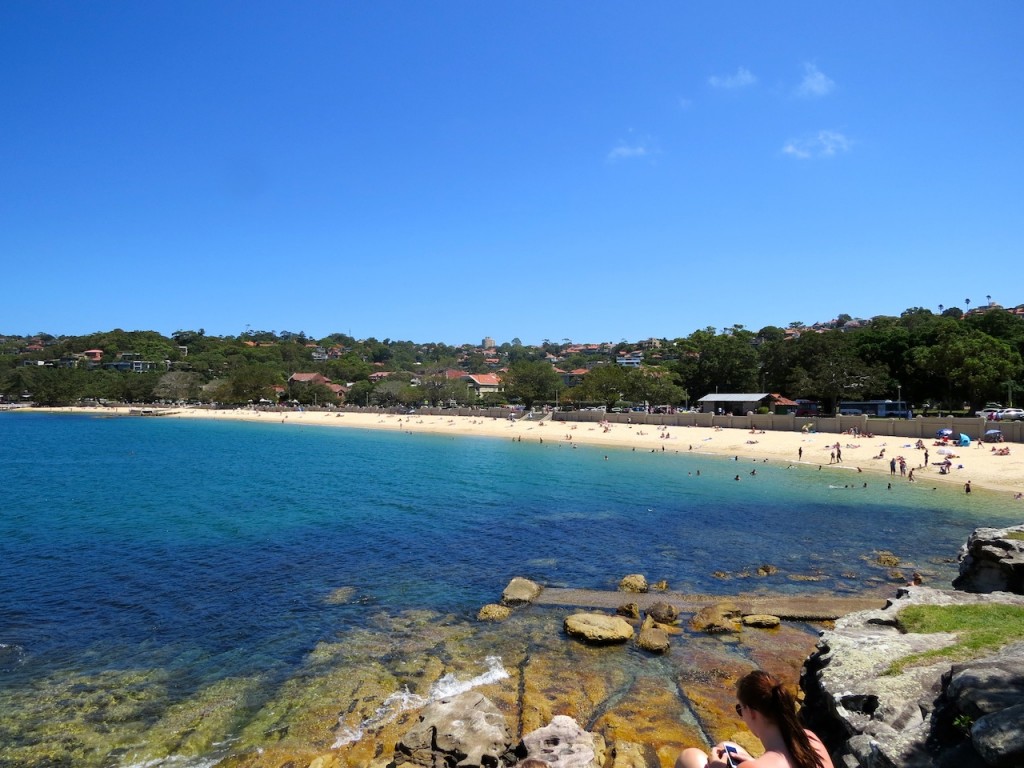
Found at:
(944, 432)
(993, 433)
(964, 439)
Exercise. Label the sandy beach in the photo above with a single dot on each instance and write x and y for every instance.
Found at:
(979, 464)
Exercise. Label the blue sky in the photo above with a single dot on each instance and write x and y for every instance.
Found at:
(444, 171)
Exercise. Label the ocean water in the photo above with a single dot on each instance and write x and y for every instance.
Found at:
(214, 551)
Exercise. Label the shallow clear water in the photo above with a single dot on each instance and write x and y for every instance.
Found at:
(210, 549)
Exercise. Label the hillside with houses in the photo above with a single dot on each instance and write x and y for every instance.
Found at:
(950, 360)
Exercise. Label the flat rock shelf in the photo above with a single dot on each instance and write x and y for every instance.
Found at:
(789, 607)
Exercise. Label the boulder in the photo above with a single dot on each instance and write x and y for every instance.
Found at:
(992, 560)
(494, 612)
(761, 621)
(999, 737)
(634, 582)
(718, 618)
(629, 610)
(871, 718)
(598, 628)
(520, 591)
(564, 744)
(660, 586)
(652, 637)
(663, 613)
(466, 729)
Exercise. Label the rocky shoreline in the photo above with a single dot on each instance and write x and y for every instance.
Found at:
(628, 686)
(941, 714)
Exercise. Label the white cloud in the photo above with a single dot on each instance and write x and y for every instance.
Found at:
(741, 79)
(815, 82)
(821, 144)
(628, 152)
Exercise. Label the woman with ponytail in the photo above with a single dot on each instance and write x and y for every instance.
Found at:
(769, 711)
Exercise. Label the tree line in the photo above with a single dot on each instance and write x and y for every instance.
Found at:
(947, 360)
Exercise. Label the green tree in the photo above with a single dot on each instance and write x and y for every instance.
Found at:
(604, 384)
(250, 383)
(530, 381)
(177, 385)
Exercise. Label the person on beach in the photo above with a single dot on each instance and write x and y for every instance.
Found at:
(769, 710)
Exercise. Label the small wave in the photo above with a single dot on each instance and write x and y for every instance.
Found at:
(11, 656)
(175, 761)
(404, 700)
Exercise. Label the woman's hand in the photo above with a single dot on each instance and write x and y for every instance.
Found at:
(721, 755)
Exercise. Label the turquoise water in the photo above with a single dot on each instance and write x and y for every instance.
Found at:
(210, 550)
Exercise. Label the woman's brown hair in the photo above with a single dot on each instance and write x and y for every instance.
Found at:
(759, 690)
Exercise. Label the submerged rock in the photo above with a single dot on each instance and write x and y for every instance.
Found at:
(721, 617)
(494, 612)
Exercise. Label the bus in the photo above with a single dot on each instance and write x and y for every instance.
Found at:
(890, 409)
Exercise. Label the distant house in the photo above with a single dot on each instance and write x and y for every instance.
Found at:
(630, 359)
(483, 383)
(782, 405)
(308, 378)
(93, 355)
(736, 404)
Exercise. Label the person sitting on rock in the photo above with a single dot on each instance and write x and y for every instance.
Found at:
(769, 710)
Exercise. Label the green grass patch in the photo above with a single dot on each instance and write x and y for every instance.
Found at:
(1016, 535)
(979, 629)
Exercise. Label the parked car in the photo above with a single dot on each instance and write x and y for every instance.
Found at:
(1010, 414)
(987, 413)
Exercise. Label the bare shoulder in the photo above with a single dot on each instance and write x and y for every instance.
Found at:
(818, 747)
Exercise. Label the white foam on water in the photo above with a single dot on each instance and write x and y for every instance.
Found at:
(176, 761)
(404, 700)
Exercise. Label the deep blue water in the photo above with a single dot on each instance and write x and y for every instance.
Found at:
(209, 547)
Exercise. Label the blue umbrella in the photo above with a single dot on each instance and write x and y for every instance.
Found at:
(944, 433)
(993, 432)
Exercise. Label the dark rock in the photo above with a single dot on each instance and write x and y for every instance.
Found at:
(991, 561)
(652, 637)
(663, 613)
(629, 610)
(978, 688)
(999, 737)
